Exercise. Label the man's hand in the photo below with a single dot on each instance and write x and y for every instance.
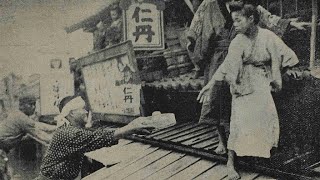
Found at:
(45, 127)
(275, 86)
(204, 94)
(299, 25)
(294, 74)
(132, 128)
(191, 44)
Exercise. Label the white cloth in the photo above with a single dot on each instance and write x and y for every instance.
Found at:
(254, 126)
(75, 103)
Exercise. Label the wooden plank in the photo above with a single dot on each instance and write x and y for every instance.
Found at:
(96, 175)
(120, 166)
(175, 131)
(193, 134)
(206, 137)
(122, 142)
(248, 175)
(194, 170)
(179, 148)
(120, 154)
(174, 168)
(200, 138)
(123, 48)
(216, 172)
(211, 147)
(314, 165)
(141, 163)
(163, 131)
(262, 177)
(156, 166)
(178, 131)
(107, 151)
(317, 169)
(206, 143)
(184, 132)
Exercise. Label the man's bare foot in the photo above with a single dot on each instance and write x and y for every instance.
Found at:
(221, 149)
(232, 173)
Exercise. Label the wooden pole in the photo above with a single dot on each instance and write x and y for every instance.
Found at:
(313, 37)
(281, 8)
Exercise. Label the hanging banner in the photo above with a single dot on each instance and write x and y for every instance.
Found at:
(143, 23)
(54, 87)
(112, 81)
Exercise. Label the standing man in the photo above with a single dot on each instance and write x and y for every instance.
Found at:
(16, 125)
(64, 157)
(210, 34)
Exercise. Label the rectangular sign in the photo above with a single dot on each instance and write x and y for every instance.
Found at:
(112, 81)
(53, 88)
(144, 25)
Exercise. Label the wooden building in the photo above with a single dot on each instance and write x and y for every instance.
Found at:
(169, 85)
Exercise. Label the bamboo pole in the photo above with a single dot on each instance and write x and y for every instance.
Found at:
(281, 8)
(313, 37)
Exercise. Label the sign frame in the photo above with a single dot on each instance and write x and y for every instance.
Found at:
(125, 4)
(121, 49)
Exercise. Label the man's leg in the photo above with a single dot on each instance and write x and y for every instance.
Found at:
(232, 173)
(224, 98)
(221, 149)
(210, 114)
(5, 170)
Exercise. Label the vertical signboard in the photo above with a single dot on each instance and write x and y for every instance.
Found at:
(54, 87)
(143, 23)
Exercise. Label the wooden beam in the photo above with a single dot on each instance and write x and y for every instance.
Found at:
(89, 22)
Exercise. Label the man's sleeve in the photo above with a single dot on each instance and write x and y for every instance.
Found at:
(85, 140)
(272, 22)
(28, 126)
(24, 123)
(281, 56)
(230, 67)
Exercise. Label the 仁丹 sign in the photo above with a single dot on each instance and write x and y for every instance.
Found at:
(143, 23)
(112, 81)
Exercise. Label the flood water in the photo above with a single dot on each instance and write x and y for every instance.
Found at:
(25, 160)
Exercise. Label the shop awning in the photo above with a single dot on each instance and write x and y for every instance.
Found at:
(91, 21)
(182, 83)
(101, 13)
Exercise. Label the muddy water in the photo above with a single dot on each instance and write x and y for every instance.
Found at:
(25, 160)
